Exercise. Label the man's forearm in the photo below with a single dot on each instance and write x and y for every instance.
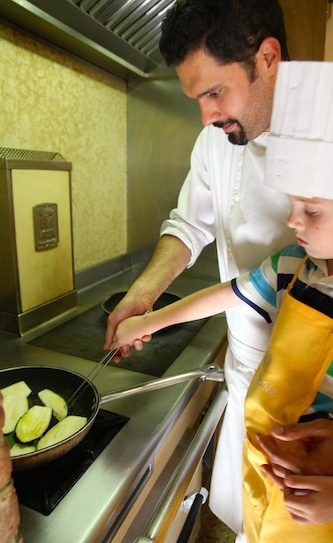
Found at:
(169, 260)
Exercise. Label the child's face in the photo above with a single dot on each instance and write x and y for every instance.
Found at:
(312, 221)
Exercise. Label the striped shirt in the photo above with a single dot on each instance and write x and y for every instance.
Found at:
(263, 289)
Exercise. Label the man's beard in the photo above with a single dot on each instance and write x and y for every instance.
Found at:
(237, 138)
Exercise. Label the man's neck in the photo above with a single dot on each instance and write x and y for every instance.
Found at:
(329, 266)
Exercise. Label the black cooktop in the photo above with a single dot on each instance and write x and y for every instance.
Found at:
(83, 336)
(42, 488)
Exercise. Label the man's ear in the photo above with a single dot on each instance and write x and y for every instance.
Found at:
(269, 53)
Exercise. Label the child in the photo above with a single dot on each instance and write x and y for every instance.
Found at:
(293, 289)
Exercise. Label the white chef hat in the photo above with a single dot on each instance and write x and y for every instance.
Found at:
(299, 158)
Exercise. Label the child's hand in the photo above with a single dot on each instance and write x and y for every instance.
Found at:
(314, 455)
(131, 331)
(309, 498)
(276, 473)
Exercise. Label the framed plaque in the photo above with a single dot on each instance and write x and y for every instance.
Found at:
(46, 226)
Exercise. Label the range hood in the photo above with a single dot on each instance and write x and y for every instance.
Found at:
(119, 36)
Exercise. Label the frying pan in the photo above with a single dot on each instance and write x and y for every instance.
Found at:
(86, 403)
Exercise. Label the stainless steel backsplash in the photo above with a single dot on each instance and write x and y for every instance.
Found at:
(162, 127)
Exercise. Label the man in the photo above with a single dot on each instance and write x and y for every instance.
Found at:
(294, 290)
(226, 54)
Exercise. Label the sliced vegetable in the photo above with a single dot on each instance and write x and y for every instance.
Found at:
(16, 389)
(14, 408)
(56, 402)
(10, 440)
(63, 429)
(19, 449)
(34, 423)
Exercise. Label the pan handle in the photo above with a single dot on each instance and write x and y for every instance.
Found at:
(211, 372)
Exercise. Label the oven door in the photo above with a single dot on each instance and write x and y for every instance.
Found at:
(175, 501)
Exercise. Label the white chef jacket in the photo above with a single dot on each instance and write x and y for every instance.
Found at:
(224, 198)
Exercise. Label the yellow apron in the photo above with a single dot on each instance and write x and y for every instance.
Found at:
(283, 388)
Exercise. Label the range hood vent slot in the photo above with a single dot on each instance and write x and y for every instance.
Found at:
(137, 22)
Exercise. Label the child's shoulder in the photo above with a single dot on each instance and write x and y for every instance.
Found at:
(294, 251)
(287, 257)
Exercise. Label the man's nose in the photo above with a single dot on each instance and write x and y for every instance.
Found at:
(209, 114)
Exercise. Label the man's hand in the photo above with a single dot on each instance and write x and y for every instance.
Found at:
(129, 306)
(169, 259)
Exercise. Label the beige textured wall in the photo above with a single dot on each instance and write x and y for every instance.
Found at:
(51, 101)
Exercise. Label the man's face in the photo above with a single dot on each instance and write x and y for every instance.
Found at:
(226, 96)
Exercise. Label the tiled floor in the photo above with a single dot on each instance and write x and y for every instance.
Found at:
(212, 529)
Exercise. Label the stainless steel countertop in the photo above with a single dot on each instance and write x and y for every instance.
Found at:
(93, 505)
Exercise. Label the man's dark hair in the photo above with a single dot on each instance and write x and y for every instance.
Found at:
(229, 30)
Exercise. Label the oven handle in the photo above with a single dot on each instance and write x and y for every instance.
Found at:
(167, 511)
(192, 516)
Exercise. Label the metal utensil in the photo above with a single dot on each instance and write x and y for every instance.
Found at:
(92, 375)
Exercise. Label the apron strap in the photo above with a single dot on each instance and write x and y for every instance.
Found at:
(299, 267)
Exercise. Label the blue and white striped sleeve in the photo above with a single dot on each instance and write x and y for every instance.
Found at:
(263, 287)
(257, 288)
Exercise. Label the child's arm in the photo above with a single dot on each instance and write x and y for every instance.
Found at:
(204, 303)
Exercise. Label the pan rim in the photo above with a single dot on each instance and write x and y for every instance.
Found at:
(37, 453)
